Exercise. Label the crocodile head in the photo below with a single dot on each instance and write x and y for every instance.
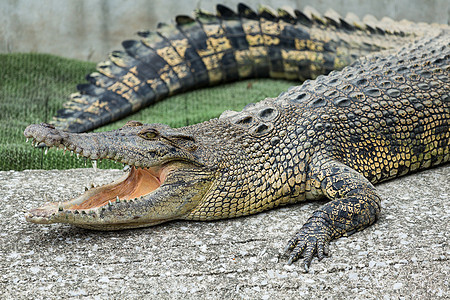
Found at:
(168, 176)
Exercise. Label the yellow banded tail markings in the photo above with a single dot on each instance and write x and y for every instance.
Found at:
(213, 29)
(256, 47)
(77, 98)
(154, 83)
(213, 66)
(175, 61)
(134, 70)
(170, 55)
(309, 45)
(251, 27)
(127, 93)
(256, 40)
(73, 106)
(341, 59)
(221, 44)
(271, 40)
(296, 55)
(118, 88)
(96, 107)
(216, 47)
(181, 45)
(176, 57)
(270, 28)
(175, 64)
(270, 31)
(131, 80)
(243, 57)
(217, 40)
(259, 54)
(169, 77)
(182, 70)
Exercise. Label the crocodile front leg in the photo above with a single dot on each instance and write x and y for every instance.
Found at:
(354, 206)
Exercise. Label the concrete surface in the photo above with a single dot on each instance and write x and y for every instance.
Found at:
(405, 255)
(89, 29)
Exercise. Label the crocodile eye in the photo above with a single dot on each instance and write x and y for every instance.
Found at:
(148, 134)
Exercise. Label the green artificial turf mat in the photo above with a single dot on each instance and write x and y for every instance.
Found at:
(34, 86)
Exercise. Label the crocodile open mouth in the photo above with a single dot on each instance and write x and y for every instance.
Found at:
(137, 183)
(133, 186)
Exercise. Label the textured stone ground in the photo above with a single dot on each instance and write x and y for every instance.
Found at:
(404, 256)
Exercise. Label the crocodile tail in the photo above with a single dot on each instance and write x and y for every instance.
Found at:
(209, 49)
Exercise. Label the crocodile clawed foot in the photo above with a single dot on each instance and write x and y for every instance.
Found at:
(313, 239)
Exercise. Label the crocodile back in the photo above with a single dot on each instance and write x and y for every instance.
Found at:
(385, 116)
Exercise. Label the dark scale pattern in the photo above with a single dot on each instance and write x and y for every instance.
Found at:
(384, 116)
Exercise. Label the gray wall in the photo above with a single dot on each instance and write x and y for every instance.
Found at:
(89, 29)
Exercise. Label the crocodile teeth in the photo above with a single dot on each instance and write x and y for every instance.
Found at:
(60, 208)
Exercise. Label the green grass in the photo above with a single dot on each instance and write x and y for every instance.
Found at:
(34, 86)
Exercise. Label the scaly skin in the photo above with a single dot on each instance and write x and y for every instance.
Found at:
(334, 137)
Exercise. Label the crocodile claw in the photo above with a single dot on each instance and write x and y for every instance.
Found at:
(312, 239)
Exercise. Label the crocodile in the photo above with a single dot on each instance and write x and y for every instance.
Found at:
(385, 115)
